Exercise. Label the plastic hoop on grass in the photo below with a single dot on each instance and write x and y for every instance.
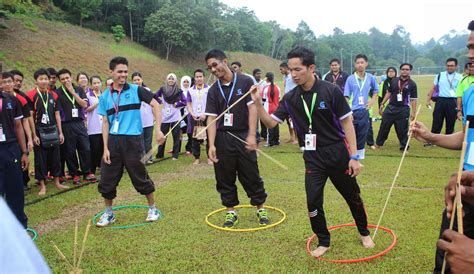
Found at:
(358, 260)
(94, 219)
(32, 231)
(245, 229)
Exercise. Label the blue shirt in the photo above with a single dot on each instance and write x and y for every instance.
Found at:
(447, 84)
(352, 90)
(468, 114)
(129, 117)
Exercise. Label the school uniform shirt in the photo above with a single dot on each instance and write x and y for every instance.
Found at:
(10, 110)
(464, 84)
(171, 113)
(407, 88)
(216, 103)
(338, 80)
(288, 83)
(25, 107)
(447, 84)
(271, 104)
(146, 112)
(198, 99)
(94, 120)
(355, 88)
(29, 103)
(45, 104)
(330, 108)
(66, 105)
(128, 104)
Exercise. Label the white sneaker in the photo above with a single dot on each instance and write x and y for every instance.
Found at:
(153, 215)
(106, 219)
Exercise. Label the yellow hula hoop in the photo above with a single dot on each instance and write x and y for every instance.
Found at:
(245, 229)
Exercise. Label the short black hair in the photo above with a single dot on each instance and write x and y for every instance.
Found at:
(198, 70)
(95, 77)
(64, 71)
(137, 73)
(17, 72)
(284, 65)
(41, 71)
(52, 72)
(451, 59)
(255, 71)
(215, 53)
(406, 64)
(335, 60)
(363, 56)
(82, 73)
(6, 75)
(236, 63)
(306, 55)
(466, 66)
(117, 61)
(471, 26)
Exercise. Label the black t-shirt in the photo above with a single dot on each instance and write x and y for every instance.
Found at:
(339, 80)
(10, 110)
(28, 101)
(66, 106)
(216, 103)
(409, 91)
(330, 108)
(39, 109)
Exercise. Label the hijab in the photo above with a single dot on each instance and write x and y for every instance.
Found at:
(171, 94)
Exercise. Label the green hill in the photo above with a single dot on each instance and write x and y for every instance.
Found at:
(27, 44)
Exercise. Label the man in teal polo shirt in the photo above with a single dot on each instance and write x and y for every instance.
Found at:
(122, 132)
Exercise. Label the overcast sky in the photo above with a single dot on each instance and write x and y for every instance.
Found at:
(423, 19)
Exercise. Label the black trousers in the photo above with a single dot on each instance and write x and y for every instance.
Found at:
(370, 133)
(165, 127)
(445, 110)
(11, 180)
(97, 150)
(274, 136)
(361, 126)
(125, 151)
(235, 161)
(43, 156)
(331, 162)
(263, 130)
(398, 116)
(76, 139)
(468, 221)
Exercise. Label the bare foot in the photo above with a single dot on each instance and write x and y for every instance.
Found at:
(367, 241)
(373, 147)
(318, 252)
(294, 142)
(209, 162)
(196, 162)
(42, 191)
(60, 186)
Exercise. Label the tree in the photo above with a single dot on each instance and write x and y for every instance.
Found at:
(170, 27)
(83, 8)
(304, 36)
(118, 32)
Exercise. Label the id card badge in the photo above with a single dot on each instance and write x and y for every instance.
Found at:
(168, 111)
(2, 135)
(310, 142)
(399, 97)
(115, 127)
(199, 109)
(361, 100)
(75, 113)
(44, 119)
(228, 119)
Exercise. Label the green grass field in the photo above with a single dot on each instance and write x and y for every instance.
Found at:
(182, 242)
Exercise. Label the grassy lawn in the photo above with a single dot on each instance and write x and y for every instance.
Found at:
(181, 241)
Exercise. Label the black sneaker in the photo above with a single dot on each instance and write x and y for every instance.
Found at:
(230, 220)
(262, 216)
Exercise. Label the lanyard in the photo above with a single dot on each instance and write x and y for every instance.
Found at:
(45, 103)
(73, 100)
(95, 94)
(334, 79)
(363, 83)
(452, 79)
(400, 87)
(115, 104)
(306, 110)
(199, 93)
(231, 90)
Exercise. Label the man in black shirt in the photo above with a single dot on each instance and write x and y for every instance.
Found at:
(336, 76)
(402, 93)
(72, 101)
(230, 156)
(323, 122)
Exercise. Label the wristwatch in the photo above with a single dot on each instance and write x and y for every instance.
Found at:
(355, 157)
(26, 152)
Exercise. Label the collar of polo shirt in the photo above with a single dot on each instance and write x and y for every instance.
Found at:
(125, 87)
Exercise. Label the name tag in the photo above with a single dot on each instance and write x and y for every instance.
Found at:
(399, 97)
(228, 119)
(199, 109)
(45, 119)
(115, 127)
(2, 135)
(75, 113)
(310, 142)
(361, 100)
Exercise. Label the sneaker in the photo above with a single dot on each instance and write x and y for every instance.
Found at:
(231, 220)
(76, 180)
(90, 177)
(153, 215)
(106, 219)
(188, 153)
(262, 215)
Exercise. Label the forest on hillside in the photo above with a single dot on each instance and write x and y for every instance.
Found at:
(179, 29)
